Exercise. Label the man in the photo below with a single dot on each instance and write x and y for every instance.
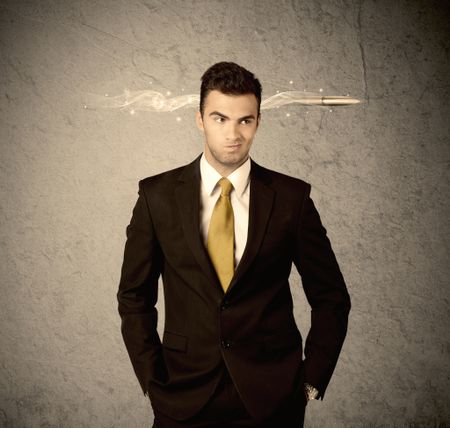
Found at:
(223, 233)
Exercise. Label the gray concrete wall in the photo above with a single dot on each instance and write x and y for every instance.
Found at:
(379, 171)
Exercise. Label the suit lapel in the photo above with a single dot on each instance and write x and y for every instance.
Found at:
(187, 195)
(261, 202)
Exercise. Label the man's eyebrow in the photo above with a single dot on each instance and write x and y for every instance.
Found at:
(249, 116)
(217, 113)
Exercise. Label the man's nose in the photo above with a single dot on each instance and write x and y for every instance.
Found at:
(232, 131)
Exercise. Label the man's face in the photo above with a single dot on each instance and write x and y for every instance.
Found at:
(229, 123)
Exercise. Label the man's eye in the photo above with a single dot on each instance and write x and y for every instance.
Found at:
(246, 121)
(219, 119)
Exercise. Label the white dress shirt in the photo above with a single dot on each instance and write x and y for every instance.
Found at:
(239, 197)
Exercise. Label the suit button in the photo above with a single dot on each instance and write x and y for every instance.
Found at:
(226, 343)
(225, 305)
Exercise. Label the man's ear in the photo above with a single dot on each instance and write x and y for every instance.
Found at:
(258, 120)
(199, 121)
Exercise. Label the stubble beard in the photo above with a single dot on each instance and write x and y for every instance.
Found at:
(229, 161)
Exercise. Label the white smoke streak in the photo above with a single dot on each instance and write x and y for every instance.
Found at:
(148, 100)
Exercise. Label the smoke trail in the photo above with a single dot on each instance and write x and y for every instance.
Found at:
(148, 100)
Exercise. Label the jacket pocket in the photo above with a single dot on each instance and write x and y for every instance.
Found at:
(282, 341)
(174, 341)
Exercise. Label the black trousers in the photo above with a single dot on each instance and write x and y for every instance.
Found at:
(226, 410)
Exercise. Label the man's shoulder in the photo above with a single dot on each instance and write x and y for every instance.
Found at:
(278, 179)
(162, 177)
(167, 178)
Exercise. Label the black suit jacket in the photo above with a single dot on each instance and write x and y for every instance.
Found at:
(250, 328)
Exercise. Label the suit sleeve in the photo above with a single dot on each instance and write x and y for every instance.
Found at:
(326, 293)
(138, 293)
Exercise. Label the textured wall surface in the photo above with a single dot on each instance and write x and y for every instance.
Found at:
(379, 173)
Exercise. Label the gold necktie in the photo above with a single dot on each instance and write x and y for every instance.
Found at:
(220, 241)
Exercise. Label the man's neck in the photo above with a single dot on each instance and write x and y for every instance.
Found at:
(224, 170)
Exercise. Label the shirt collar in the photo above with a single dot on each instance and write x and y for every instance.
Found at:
(239, 177)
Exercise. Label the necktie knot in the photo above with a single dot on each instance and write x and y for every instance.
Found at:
(226, 186)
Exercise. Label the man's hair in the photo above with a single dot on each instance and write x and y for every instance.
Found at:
(231, 79)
